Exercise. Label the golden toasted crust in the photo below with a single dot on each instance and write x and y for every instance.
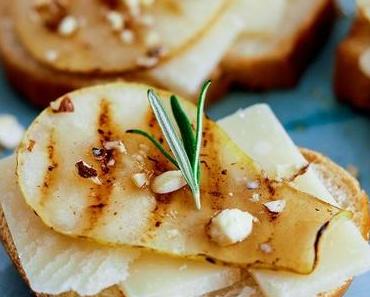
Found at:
(350, 83)
(283, 66)
(330, 173)
(41, 84)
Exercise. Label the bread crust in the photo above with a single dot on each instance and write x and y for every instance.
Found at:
(281, 69)
(351, 85)
(340, 176)
(283, 66)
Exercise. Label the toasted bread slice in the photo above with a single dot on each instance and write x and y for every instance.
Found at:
(344, 188)
(351, 83)
(277, 60)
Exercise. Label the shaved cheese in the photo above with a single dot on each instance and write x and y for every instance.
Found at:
(162, 276)
(185, 74)
(54, 263)
(260, 134)
(343, 253)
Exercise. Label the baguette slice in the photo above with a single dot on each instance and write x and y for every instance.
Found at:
(331, 174)
(351, 82)
(277, 60)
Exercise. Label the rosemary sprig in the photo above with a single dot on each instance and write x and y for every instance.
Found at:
(186, 150)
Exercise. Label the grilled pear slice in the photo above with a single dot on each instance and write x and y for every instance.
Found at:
(95, 47)
(118, 211)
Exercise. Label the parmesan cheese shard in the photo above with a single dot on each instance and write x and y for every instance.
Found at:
(343, 253)
(53, 263)
(162, 276)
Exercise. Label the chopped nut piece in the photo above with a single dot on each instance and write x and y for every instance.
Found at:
(147, 62)
(66, 105)
(152, 39)
(111, 163)
(255, 197)
(168, 182)
(116, 20)
(266, 248)
(99, 153)
(96, 180)
(68, 26)
(11, 132)
(85, 170)
(127, 36)
(51, 55)
(115, 145)
(230, 226)
(253, 185)
(276, 206)
(140, 180)
(51, 12)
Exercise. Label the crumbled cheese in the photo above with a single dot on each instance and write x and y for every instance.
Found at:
(168, 182)
(255, 197)
(11, 131)
(266, 248)
(116, 20)
(252, 185)
(140, 179)
(115, 145)
(230, 226)
(231, 194)
(51, 55)
(127, 36)
(276, 206)
(68, 26)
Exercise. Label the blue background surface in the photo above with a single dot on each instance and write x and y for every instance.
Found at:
(309, 112)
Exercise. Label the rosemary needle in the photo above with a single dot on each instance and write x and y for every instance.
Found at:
(186, 151)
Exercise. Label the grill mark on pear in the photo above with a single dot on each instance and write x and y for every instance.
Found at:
(50, 172)
(100, 195)
(161, 164)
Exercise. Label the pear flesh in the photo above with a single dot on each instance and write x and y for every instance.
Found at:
(178, 24)
(118, 212)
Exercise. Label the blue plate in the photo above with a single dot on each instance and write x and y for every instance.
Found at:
(309, 112)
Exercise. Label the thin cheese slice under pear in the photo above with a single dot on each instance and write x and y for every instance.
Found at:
(155, 275)
(344, 252)
(118, 212)
(178, 24)
(54, 263)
